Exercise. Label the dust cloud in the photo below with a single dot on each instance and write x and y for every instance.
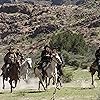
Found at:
(32, 83)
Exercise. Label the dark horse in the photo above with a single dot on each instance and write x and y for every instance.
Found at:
(93, 69)
(13, 72)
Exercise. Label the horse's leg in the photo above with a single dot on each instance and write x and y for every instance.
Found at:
(92, 79)
(49, 82)
(42, 85)
(53, 81)
(60, 84)
(39, 86)
(15, 83)
(99, 74)
(59, 80)
(3, 82)
(26, 76)
(11, 85)
(40, 82)
(46, 82)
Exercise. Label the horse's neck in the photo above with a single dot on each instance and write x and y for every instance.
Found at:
(53, 64)
(23, 62)
(14, 67)
(27, 61)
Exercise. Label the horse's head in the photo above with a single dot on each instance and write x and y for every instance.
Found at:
(12, 58)
(57, 59)
(29, 61)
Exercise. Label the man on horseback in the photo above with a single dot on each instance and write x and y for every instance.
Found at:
(19, 56)
(45, 58)
(97, 55)
(7, 62)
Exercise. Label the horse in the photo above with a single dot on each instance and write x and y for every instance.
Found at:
(93, 70)
(25, 68)
(38, 73)
(13, 72)
(51, 72)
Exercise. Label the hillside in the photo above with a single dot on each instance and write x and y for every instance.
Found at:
(31, 26)
(54, 2)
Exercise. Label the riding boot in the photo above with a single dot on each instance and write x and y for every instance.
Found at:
(6, 74)
(43, 72)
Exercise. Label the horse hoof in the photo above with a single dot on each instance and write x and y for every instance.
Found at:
(6, 79)
(57, 88)
(26, 81)
(45, 89)
(13, 87)
(53, 83)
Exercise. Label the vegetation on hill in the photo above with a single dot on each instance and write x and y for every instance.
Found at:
(31, 26)
(73, 47)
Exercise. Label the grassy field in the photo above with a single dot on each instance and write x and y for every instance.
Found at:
(70, 91)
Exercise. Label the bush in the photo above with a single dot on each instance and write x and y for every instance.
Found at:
(72, 60)
(69, 41)
(85, 65)
(67, 77)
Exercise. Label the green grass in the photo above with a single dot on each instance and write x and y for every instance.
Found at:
(65, 93)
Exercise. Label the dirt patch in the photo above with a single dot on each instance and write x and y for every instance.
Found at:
(31, 84)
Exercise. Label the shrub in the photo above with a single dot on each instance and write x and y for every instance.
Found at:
(73, 47)
(85, 65)
(72, 60)
(67, 77)
(69, 41)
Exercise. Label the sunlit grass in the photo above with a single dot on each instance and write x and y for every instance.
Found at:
(65, 93)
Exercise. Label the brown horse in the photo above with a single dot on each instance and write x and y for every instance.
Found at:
(93, 69)
(13, 71)
(38, 73)
(51, 72)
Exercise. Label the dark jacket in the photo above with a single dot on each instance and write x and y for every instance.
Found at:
(97, 54)
(45, 55)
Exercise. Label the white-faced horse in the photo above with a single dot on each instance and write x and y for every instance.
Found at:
(56, 77)
(25, 68)
(51, 72)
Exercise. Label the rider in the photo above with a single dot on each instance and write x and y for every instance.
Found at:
(97, 55)
(7, 62)
(60, 61)
(45, 58)
(19, 56)
(17, 52)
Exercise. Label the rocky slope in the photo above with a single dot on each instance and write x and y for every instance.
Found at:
(54, 2)
(20, 22)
